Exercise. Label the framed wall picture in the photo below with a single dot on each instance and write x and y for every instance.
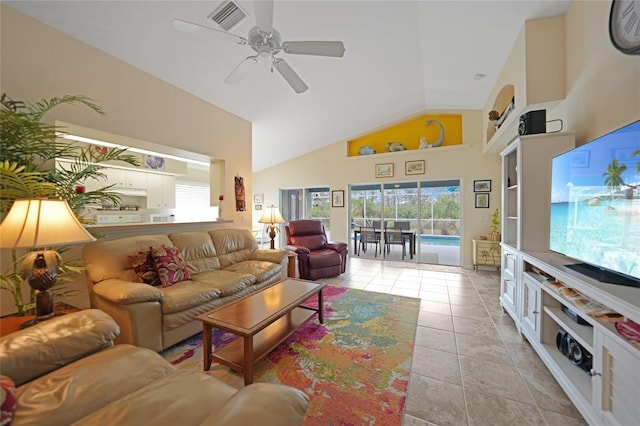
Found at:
(482, 200)
(258, 207)
(384, 170)
(258, 199)
(414, 167)
(337, 198)
(154, 162)
(482, 185)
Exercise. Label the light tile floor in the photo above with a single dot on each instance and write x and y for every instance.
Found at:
(470, 365)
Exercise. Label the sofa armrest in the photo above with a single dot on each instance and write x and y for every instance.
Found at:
(261, 403)
(127, 292)
(298, 249)
(336, 246)
(51, 344)
(275, 256)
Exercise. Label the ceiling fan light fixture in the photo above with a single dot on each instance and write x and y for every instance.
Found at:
(264, 51)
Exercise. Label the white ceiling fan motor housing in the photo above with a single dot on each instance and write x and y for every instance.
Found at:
(265, 45)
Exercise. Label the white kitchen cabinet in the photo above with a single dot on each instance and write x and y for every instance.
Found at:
(121, 178)
(161, 191)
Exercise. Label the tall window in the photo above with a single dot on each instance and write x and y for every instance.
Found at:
(193, 202)
(316, 205)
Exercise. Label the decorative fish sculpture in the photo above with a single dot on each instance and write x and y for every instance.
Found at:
(395, 146)
(366, 150)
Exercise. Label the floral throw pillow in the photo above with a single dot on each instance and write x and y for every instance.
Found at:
(170, 265)
(8, 400)
(145, 269)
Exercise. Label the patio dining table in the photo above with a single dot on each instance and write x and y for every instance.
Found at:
(406, 234)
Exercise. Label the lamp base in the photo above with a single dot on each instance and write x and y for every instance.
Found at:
(44, 309)
(272, 235)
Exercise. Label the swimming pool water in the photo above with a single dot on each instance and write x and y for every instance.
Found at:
(440, 240)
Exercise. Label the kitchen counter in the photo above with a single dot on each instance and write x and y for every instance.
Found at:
(128, 229)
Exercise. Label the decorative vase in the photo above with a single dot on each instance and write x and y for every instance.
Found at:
(220, 209)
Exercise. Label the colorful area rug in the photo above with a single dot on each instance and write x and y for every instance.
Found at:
(355, 367)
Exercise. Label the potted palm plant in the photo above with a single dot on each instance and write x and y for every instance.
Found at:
(494, 235)
(29, 148)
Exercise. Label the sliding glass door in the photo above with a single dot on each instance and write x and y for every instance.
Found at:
(440, 222)
(427, 213)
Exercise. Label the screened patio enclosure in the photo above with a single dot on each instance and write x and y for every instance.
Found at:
(427, 212)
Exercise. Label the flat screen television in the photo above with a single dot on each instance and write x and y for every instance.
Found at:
(595, 207)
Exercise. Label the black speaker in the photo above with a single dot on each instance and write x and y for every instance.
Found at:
(573, 350)
(533, 122)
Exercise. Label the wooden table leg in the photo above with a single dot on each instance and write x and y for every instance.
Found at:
(206, 345)
(248, 360)
(320, 307)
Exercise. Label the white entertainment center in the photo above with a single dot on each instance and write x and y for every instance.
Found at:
(535, 284)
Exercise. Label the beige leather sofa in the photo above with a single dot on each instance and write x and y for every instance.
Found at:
(68, 372)
(224, 264)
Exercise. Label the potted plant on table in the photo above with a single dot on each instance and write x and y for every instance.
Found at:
(29, 149)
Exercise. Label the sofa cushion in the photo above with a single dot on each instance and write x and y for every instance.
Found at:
(233, 245)
(262, 270)
(170, 265)
(109, 258)
(45, 346)
(183, 397)
(76, 390)
(143, 266)
(226, 281)
(197, 250)
(188, 294)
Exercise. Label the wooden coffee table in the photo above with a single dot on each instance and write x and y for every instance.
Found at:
(263, 319)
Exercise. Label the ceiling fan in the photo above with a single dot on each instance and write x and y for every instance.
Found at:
(266, 42)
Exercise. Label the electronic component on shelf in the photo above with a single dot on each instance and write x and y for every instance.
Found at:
(574, 316)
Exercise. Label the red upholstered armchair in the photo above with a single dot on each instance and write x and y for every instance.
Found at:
(317, 257)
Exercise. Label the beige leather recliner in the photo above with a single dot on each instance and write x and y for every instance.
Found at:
(68, 372)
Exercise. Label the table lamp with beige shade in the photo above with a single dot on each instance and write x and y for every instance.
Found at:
(272, 216)
(40, 223)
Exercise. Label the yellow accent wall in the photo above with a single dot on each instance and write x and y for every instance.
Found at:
(409, 133)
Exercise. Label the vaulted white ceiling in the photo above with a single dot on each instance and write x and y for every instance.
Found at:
(402, 58)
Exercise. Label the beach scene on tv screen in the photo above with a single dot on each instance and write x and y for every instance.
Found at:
(595, 202)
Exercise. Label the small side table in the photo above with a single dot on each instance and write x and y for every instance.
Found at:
(12, 323)
(291, 267)
(486, 253)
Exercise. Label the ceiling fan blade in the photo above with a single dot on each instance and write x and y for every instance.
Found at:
(290, 76)
(264, 15)
(320, 48)
(238, 72)
(189, 27)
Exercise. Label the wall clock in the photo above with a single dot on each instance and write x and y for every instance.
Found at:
(624, 26)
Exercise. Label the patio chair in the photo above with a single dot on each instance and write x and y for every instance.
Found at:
(369, 236)
(395, 237)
